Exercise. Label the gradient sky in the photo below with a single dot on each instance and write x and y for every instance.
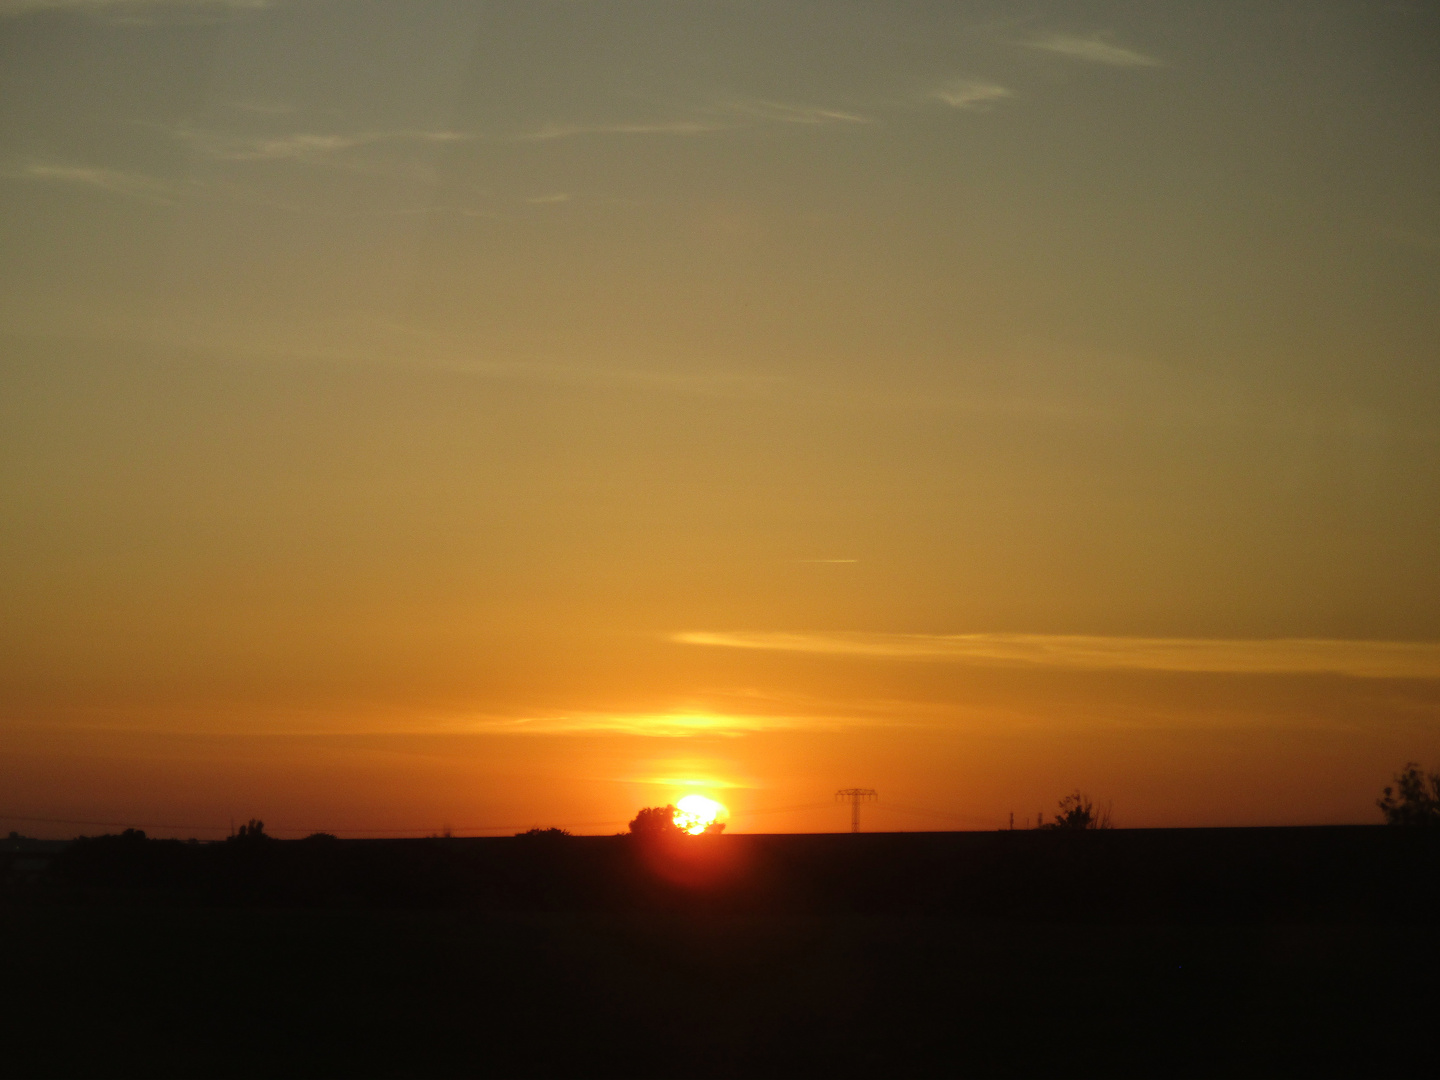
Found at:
(495, 414)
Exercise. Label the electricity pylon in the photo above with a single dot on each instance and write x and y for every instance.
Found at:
(855, 796)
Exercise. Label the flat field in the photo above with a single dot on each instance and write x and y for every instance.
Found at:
(686, 983)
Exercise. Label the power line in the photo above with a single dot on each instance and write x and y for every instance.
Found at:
(855, 796)
(924, 812)
(781, 810)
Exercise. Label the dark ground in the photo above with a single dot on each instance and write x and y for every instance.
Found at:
(1188, 953)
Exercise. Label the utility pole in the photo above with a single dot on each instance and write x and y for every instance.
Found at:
(855, 796)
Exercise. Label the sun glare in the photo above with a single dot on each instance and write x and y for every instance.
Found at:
(695, 813)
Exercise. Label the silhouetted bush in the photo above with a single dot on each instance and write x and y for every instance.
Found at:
(1418, 800)
(656, 822)
(1077, 811)
(549, 833)
(252, 832)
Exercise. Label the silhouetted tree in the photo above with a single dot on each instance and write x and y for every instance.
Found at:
(1078, 812)
(551, 832)
(656, 822)
(1418, 800)
(252, 832)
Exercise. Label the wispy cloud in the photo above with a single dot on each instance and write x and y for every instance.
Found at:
(113, 181)
(542, 200)
(262, 108)
(1284, 656)
(1094, 50)
(654, 725)
(970, 94)
(702, 782)
(787, 113)
(10, 8)
(303, 146)
(724, 116)
(668, 127)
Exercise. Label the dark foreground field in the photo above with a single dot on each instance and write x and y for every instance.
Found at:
(1198, 953)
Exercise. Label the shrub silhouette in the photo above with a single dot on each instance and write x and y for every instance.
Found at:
(1077, 811)
(1418, 800)
(550, 833)
(252, 832)
(656, 823)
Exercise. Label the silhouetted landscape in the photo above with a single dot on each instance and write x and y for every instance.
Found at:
(1264, 951)
(599, 482)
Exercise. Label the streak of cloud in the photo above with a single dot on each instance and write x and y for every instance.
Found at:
(303, 146)
(1093, 50)
(970, 94)
(655, 725)
(688, 782)
(785, 113)
(12, 8)
(99, 178)
(1283, 656)
(673, 127)
(262, 108)
(736, 114)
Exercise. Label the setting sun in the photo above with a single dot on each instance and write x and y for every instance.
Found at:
(695, 813)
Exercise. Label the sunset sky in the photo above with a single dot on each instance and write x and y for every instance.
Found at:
(486, 415)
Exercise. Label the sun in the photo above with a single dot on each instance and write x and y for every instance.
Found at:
(695, 813)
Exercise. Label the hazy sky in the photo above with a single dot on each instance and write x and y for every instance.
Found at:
(500, 414)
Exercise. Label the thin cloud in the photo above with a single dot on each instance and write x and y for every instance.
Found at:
(543, 200)
(737, 114)
(569, 131)
(262, 108)
(1283, 656)
(688, 782)
(970, 94)
(303, 146)
(654, 725)
(786, 113)
(98, 178)
(1094, 50)
(12, 8)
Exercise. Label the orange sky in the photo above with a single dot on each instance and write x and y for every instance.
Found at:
(507, 415)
